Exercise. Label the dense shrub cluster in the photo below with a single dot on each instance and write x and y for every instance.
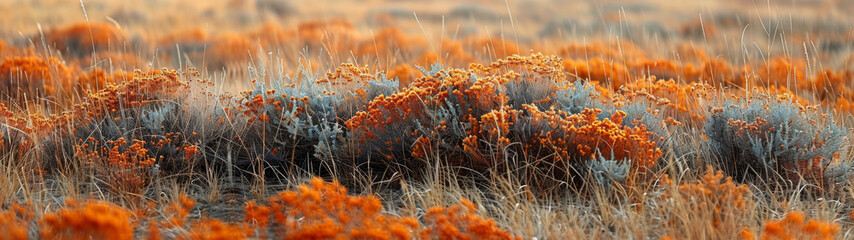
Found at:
(772, 136)
(518, 115)
(487, 118)
(716, 197)
(551, 128)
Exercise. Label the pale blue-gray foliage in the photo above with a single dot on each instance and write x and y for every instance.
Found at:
(608, 170)
(153, 119)
(324, 113)
(788, 138)
(640, 112)
(578, 97)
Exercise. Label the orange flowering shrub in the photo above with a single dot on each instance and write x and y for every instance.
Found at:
(768, 135)
(460, 222)
(322, 210)
(843, 106)
(475, 114)
(681, 103)
(782, 72)
(110, 105)
(624, 50)
(452, 54)
(178, 211)
(334, 35)
(133, 93)
(302, 115)
(715, 197)
(14, 223)
(125, 166)
(405, 74)
(88, 220)
(32, 74)
(213, 229)
(614, 74)
(388, 124)
(229, 49)
(581, 136)
(829, 84)
(140, 89)
(187, 39)
(98, 79)
(82, 38)
(388, 41)
(4, 48)
(792, 226)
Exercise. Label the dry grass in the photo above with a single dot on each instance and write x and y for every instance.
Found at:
(295, 120)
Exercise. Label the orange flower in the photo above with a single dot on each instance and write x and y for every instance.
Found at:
(460, 222)
(89, 220)
(793, 226)
(34, 72)
(324, 210)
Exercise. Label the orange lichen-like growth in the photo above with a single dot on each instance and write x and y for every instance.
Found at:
(598, 70)
(179, 210)
(793, 226)
(460, 222)
(782, 72)
(190, 152)
(31, 73)
(583, 135)
(322, 210)
(143, 87)
(715, 195)
(89, 220)
(123, 165)
(681, 102)
(348, 73)
(14, 223)
(404, 73)
(213, 229)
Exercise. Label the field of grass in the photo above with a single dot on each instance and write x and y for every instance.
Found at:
(396, 119)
